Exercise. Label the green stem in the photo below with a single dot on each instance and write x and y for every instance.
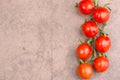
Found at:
(105, 55)
(104, 24)
(90, 18)
(102, 32)
(109, 9)
(80, 41)
(81, 61)
(89, 40)
(94, 50)
(100, 54)
(89, 60)
(96, 3)
(76, 5)
(107, 4)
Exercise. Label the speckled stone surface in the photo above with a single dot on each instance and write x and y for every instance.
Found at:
(39, 38)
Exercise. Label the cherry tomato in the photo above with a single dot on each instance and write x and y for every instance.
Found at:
(101, 15)
(86, 6)
(84, 51)
(101, 64)
(102, 44)
(90, 29)
(85, 70)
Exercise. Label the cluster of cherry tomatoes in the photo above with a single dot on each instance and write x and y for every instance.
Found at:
(91, 53)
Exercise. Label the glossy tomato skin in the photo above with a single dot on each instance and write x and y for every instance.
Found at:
(90, 29)
(101, 14)
(84, 51)
(85, 71)
(86, 6)
(102, 44)
(101, 64)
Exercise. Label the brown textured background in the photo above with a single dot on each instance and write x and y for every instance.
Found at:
(38, 40)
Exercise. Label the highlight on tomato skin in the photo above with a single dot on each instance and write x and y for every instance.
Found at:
(101, 14)
(85, 71)
(86, 6)
(90, 29)
(103, 44)
(101, 64)
(84, 51)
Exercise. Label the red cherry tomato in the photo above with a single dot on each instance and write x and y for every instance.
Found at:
(85, 71)
(101, 64)
(86, 6)
(90, 29)
(84, 51)
(102, 44)
(101, 15)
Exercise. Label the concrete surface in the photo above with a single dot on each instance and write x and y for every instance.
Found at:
(39, 38)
